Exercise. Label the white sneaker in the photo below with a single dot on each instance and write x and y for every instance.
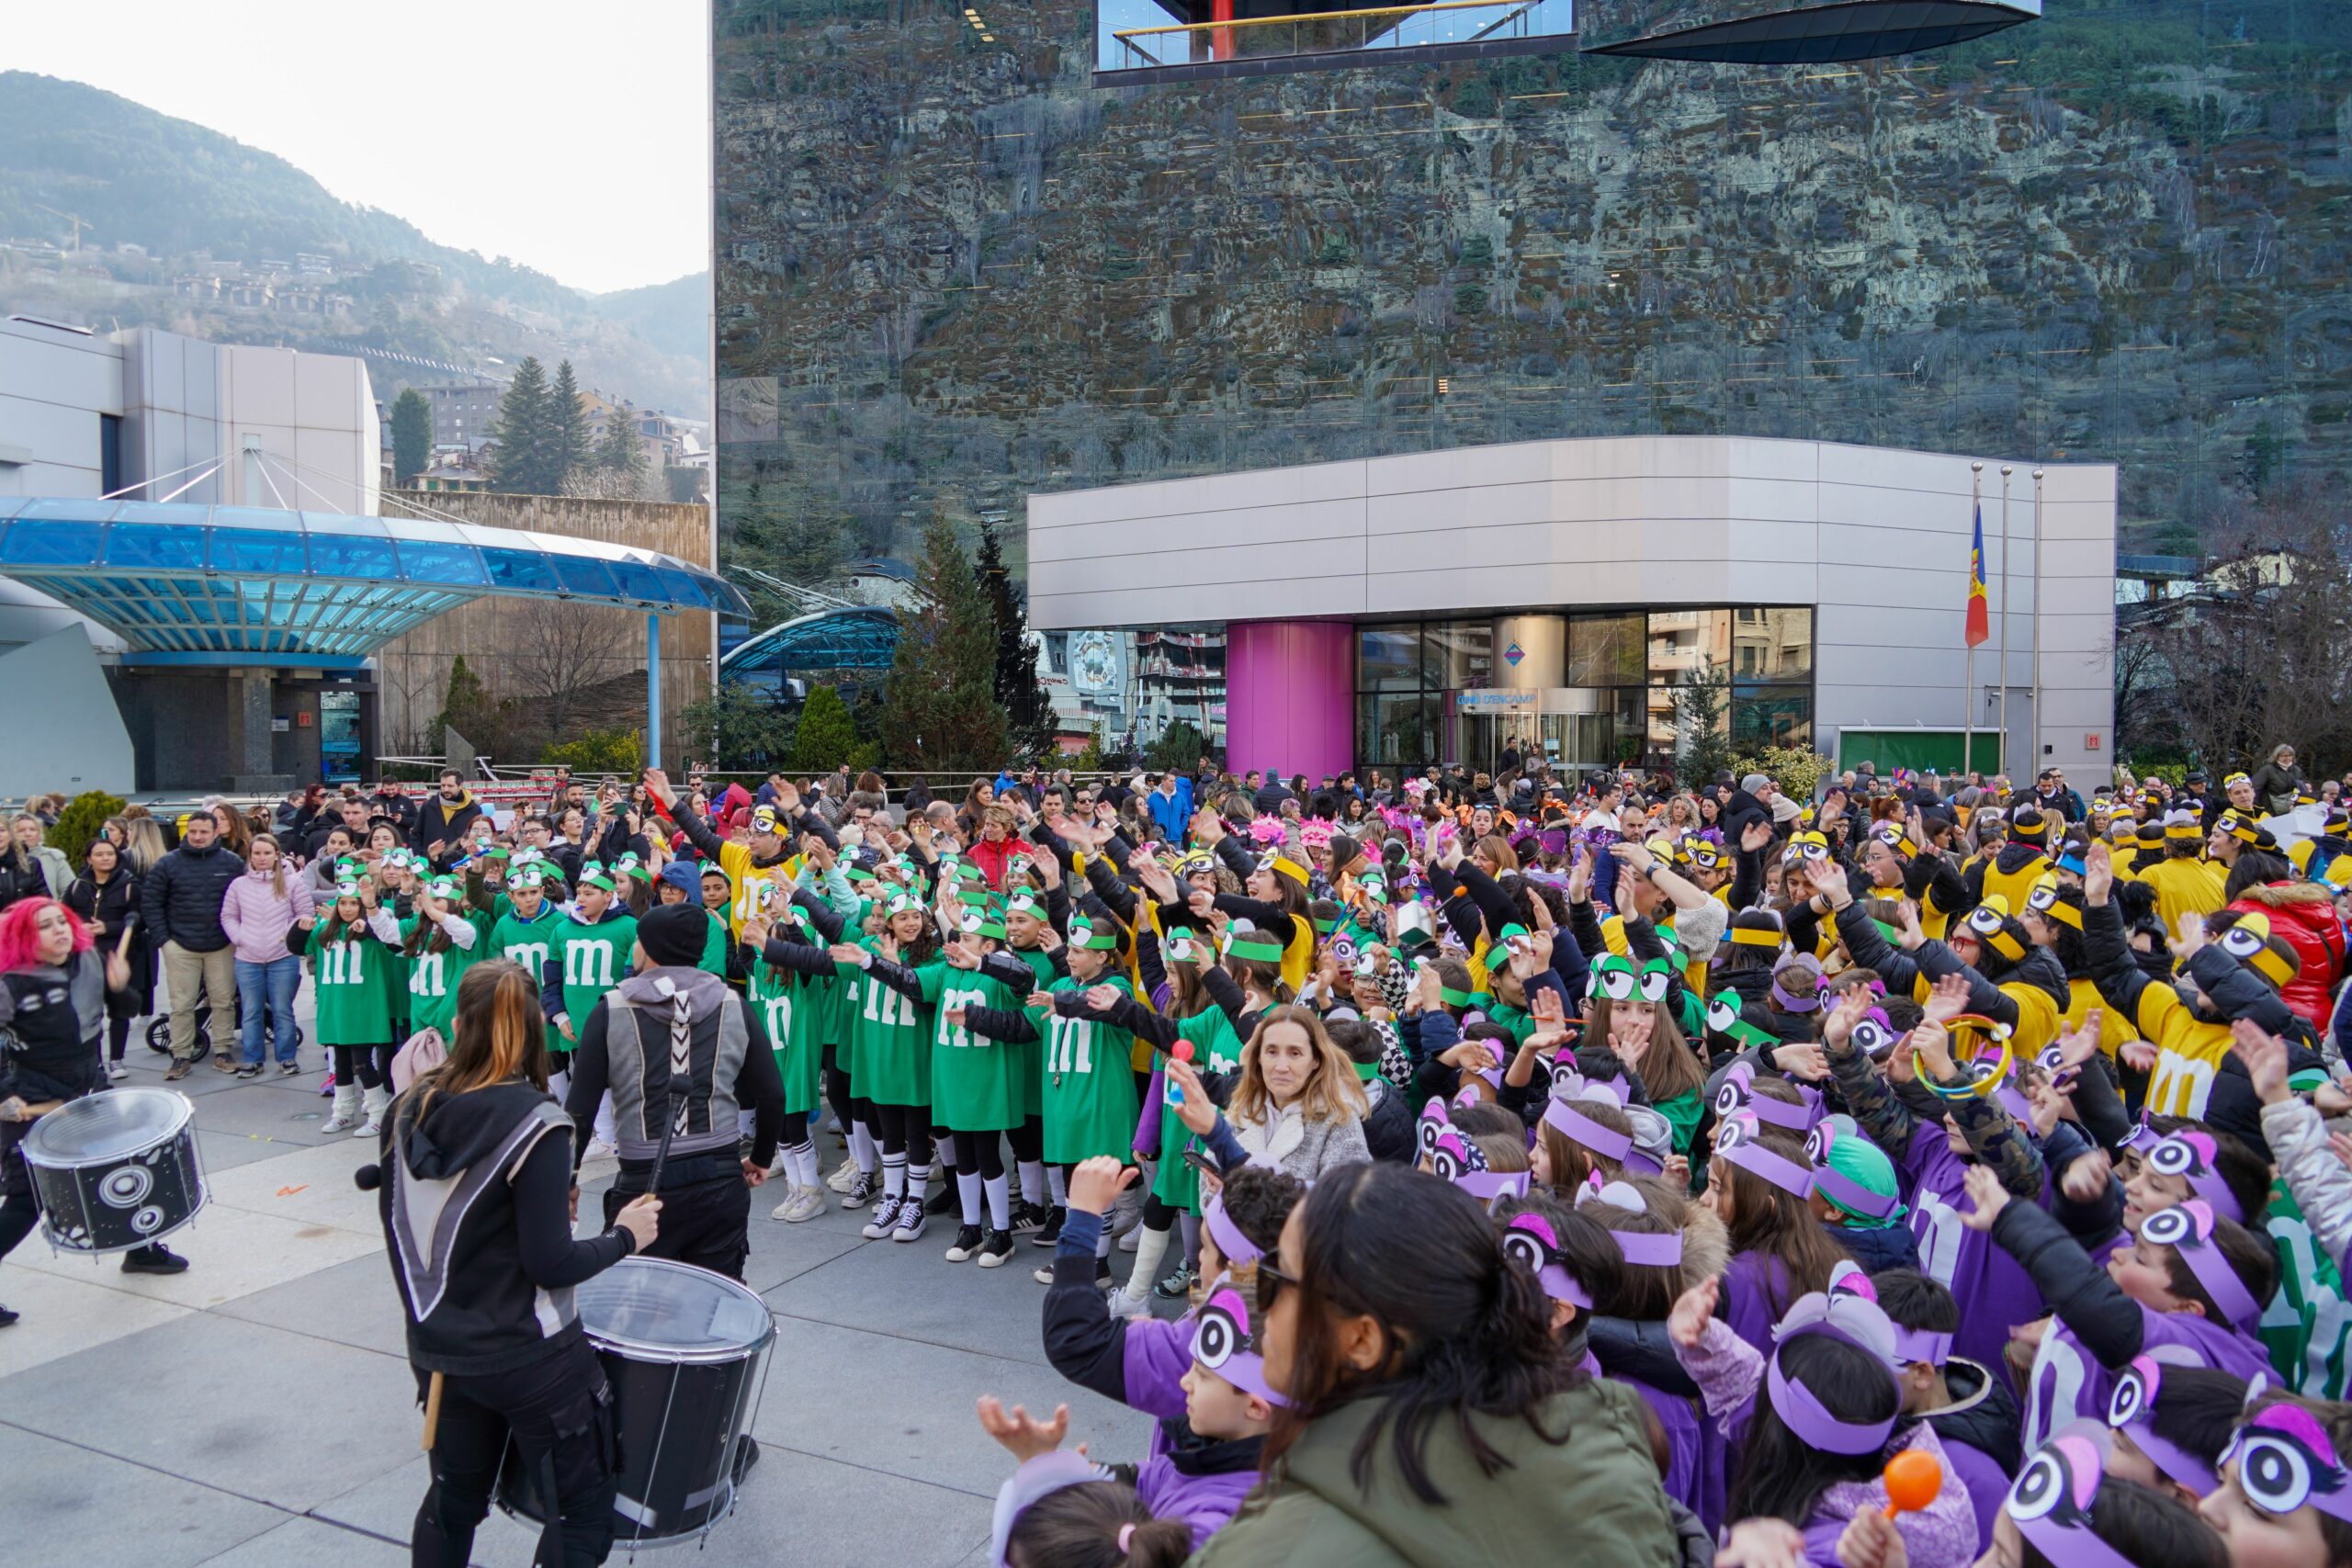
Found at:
(346, 1115)
(599, 1149)
(804, 1204)
(843, 1174)
(374, 1104)
(1125, 1305)
(117, 1072)
(1132, 1240)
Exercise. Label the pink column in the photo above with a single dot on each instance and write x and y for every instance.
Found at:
(1290, 694)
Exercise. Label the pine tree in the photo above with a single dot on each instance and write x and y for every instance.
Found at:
(1028, 711)
(526, 450)
(412, 436)
(567, 428)
(827, 737)
(941, 696)
(621, 451)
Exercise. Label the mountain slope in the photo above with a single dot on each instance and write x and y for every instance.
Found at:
(673, 317)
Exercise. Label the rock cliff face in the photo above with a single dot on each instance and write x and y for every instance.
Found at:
(951, 272)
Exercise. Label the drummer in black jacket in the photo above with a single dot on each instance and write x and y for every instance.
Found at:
(488, 1295)
(52, 1000)
(681, 1055)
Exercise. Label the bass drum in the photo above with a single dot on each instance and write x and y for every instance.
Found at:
(116, 1169)
(686, 1353)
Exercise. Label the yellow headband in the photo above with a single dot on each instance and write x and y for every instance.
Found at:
(2267, 963)
(2065, 915)
(1754, 936)
(1291, 869)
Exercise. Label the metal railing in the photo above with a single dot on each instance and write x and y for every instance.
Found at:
(1334, 32)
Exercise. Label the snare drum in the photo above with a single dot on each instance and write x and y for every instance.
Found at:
(116, 1169)
(686, 1353)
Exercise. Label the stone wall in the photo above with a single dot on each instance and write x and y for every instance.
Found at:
(523, 648)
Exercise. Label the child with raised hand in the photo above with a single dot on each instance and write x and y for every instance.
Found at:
(1815, 1424)
(2192, 1282)
(1976, 1129)
(1059, 1510)
(2318, 1180)
(1204, 1451)
(1758, 1185)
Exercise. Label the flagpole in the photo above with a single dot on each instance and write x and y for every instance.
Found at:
(1968, 677)
(2037, 620)
(2007, 762)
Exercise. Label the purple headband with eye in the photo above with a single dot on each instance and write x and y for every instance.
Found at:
(2194, 1158)
(1736, 1141)
(1529, 1239)
(2050, 1503)
(1463, 1163)
(2145, 1136)
(2132, 1409)
(1801, 1413)
(1639, 1247)
(1840, 1187)
(1221, 1342)
(1809, 1002)
(1575, 1126)
(2188, 1229)
(2286, 1459)
(1237, 1250)
(1737, 1093)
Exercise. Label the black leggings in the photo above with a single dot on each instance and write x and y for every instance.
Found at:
(118, 1037)
(357, 1063)
(1157, 1215)
(904, 1129)
(837, 1093)
(980, 1154)
(795, 1129)
(1028, 1141)
(559, 1410)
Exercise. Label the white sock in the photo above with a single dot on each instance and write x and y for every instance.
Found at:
(1033, 1181)
(894, 1176)
(967, 1187)
(800, 1165)
(1054, 1184)
(559, 1086)
(604, 1130)
(943, 1147)
(1150, 1250)
(999, 1203)
(743, 1121)
(918, 1179)
(861, 1147)
(1103, 1244)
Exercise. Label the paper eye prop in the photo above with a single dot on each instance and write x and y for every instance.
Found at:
(1528, 1239)
(2286, 1460)
(1219, 1333)
(2135, 1392)
(1432, 1126)
(1817, 1142)
(2058, 1484)
(1984, 919)
(1873, 1035)
(2180, 1154)
(1739, 1127)
(1452, 1157)
(1615, 978)
(2239, 942)
(2041, 899)
(1656, 975)
(2052, 1058)
(1729, 1096)
(971, 922)
(1724, 1011)
(2178, 1225)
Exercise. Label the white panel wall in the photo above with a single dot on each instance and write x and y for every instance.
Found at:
(53, 385)
(1876, 539)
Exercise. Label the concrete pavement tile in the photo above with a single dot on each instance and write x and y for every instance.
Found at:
(385, 1505)
(782, 1252)
(65, 1314)
(67, 1505)
(799, 1508)
(911, 1290)
(260, 1412)
(231, 1253)
(292, 1117)
(352, 1303)
(227, 1151)
(906, 1408)
(305, 1544)
(311, 1184)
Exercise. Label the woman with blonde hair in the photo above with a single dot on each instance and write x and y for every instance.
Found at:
(267, 914)
(492, 1334)
(1296, 1102)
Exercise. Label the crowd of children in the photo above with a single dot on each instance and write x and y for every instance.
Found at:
(1915, 1173)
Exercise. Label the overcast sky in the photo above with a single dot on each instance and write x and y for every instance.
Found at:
(569, 136)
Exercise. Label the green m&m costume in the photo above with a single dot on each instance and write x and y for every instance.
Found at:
(798, 1007)
(1216, 1049)
(352, 984)
(976, 1082)
(437, 961)
(1041, 964)
(1089, 1100)
(591, 959)
(529, 943)
(889, 1033)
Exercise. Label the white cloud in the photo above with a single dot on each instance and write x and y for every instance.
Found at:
(572, 137)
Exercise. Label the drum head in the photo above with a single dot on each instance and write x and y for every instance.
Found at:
(107, 1126)
(651, 1309)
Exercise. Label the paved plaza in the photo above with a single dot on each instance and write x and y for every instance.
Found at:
(258, 1410)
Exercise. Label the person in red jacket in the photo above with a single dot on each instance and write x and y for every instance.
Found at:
(2303, 913)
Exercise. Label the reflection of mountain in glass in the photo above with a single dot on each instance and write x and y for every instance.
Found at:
(1777, 32)
(952, 272)
(1182, 39)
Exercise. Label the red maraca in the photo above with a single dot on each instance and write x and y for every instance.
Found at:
(1913, 1479)
(1183, 1051)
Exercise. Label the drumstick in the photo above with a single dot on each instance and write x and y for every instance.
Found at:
(432, 1411)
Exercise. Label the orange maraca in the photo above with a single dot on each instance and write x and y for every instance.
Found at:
(1913, 1481)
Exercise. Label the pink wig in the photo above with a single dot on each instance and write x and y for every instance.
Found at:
(19, 941)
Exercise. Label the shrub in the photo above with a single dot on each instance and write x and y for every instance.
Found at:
(621, 752)
(78, 824)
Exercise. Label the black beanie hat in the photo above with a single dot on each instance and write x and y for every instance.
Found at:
(673, 934)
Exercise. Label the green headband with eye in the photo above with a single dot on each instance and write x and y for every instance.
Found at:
(1613, 978)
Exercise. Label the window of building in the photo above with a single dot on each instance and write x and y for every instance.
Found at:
(110, 453)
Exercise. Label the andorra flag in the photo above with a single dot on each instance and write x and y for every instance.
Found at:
(1979, 615)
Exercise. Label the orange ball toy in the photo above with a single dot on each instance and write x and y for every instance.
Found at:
(1913, 1480)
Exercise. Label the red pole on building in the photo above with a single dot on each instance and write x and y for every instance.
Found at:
(1221, 41)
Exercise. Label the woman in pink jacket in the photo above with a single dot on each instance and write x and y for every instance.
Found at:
(261, 911)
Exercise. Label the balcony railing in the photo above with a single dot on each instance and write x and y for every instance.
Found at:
(1387, 28)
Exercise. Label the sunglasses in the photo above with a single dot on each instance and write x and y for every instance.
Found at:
(1271, 1282)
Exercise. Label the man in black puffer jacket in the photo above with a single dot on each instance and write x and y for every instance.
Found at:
(180, 906)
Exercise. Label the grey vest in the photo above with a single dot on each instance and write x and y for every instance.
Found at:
(642, 1069)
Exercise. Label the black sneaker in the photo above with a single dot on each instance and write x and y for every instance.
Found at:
(861, 1192)
(946, 1201)
(250, 1070)
(1051, 1231)
(886, 1218)
(1028, 1216)
(995, 1249)
(1176, 1287)
(7, 1317)
(967, 1242)
(912, 1220)
(154, 1258)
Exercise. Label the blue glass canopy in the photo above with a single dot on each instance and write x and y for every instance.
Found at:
(183, 577)
(864, 637)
